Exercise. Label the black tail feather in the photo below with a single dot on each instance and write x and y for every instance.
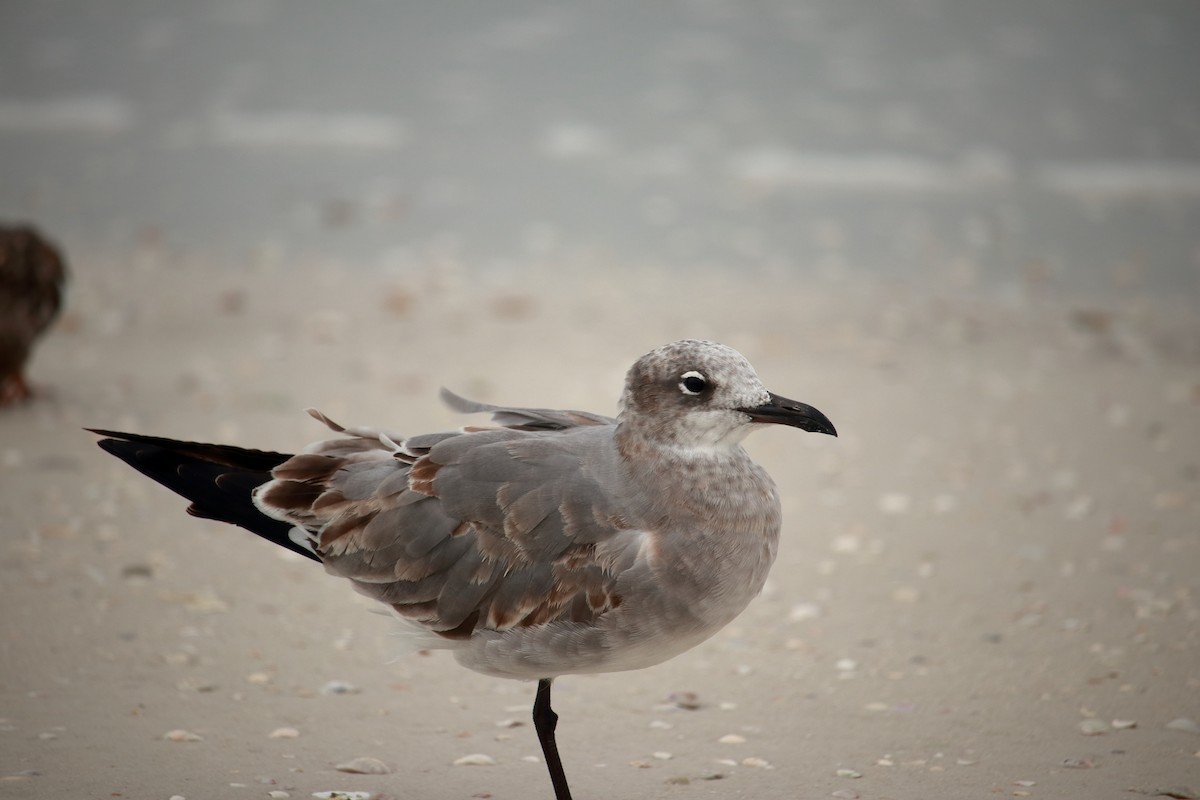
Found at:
(217, 479)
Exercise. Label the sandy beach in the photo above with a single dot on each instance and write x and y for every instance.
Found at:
(987, 585)
(969, 233)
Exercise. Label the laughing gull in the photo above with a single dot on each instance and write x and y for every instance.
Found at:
(550, 543)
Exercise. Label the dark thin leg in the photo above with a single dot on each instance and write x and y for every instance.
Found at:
(544, 722)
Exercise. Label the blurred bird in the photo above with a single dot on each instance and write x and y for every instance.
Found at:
(33, 276)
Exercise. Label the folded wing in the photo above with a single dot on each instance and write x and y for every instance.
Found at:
(494, 527)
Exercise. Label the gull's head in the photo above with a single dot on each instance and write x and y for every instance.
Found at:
(694, 395)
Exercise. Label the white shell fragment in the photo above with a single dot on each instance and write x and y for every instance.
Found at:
(475, 760)
(804, 611)
(365, 765)
(894, 503)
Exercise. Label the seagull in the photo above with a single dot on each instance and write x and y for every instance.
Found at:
(32, 278)
(548, 543)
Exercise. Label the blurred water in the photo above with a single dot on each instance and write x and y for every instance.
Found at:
(973, 141)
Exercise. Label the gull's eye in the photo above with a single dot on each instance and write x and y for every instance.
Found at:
(692, 383)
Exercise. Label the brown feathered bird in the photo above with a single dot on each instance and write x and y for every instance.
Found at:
(33, 275)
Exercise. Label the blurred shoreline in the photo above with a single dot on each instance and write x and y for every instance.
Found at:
(1004, 142)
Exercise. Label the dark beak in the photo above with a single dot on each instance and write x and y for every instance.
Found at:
(782, 411)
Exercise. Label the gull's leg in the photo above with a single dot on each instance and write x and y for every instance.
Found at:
(544, 722)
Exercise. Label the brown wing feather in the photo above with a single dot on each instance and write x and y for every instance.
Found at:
(428, 526)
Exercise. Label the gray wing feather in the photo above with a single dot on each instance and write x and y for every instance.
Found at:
(525, 418)
(496, 527)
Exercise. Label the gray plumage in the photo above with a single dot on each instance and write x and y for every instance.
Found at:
(560, 541)
(550, 542)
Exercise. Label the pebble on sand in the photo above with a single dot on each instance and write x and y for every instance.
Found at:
(365, 765)
(848, 773)
(180, 735)
(688, 701)
(339, 687)
(283, 733)
(1093, 727)
(1183, 724)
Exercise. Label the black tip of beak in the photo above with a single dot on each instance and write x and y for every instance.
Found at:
(782, 411)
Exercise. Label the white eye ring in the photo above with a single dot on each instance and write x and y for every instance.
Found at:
(692, 383)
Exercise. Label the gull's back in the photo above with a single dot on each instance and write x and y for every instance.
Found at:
(549, 542)
(535, 548)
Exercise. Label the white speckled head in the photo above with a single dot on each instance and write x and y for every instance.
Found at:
(700, 395)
